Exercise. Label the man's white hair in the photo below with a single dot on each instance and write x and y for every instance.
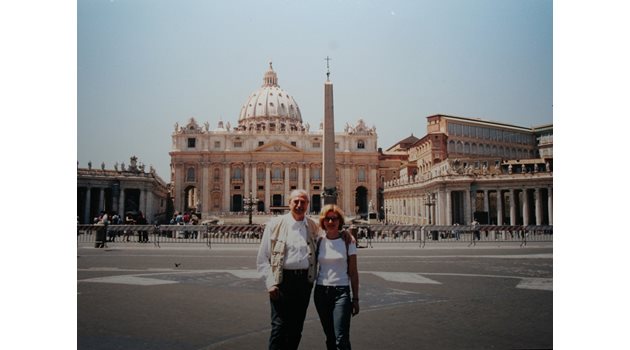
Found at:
(298, 193)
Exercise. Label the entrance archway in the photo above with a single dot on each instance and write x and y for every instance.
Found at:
(361, 201)
(316, 203)
(237, 203)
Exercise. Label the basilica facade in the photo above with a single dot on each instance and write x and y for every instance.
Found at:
(268, 153)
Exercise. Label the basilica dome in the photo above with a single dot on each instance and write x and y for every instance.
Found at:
(270, 103)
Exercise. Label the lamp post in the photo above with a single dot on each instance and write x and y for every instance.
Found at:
(249, 203)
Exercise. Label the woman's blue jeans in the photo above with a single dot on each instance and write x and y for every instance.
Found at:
(334, 306)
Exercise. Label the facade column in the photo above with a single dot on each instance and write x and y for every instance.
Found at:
(346, 188)
(307, 178)
(373, 183)
(88, 199)
(267, 185)
(512, 207)
(254, 175)
(525, 208)
(499, 207)
(179, 191)
(226, 187)
(550, 204)
(301, 182)
(204, 190)
(287, 188)
(538, 202)
(246, 180)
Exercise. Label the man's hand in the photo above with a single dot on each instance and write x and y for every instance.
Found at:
(274, 293)
(348, 237)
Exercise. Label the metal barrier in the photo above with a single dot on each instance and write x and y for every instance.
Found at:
(488, 233)
(365, 234)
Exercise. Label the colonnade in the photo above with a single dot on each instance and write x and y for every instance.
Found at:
(116, 202)
(510, 206)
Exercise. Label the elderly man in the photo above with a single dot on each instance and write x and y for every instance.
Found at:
(286, 260)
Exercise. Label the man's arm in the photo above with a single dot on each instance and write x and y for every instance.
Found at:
(263, 263)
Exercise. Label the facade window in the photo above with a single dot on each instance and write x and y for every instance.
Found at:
(336, 145)
(361, 175)
(190, 174)
(276, 174)
(317, 174)
(316, 145)
(260, 174)
(237, 174)
(260, 143)
(361, 144)
(192, 142)
(293, 174)
(293, 143)
(217, 174)
(217, 144)
(238, 144)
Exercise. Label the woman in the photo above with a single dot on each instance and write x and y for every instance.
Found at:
(337, 275)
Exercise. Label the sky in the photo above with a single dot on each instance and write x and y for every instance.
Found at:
(144, 65)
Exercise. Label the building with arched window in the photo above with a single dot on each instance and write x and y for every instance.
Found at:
(467, 168)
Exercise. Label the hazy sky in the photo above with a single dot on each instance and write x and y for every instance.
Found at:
(144, 65)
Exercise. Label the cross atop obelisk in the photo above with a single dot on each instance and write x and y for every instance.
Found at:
(327, 67)
(330, 178)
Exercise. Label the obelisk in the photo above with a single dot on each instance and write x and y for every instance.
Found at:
(330, 181)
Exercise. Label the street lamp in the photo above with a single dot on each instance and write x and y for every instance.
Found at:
(429, 203)
(249, 203)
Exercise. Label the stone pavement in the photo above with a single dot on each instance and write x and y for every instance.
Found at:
(186, 296)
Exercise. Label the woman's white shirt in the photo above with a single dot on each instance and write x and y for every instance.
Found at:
(333, 262)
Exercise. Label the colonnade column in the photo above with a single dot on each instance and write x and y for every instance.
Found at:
(88, 199)
(449, 213)
(499, 207)
(101, 200)
(512, 207)
(150, 214)
(525, 207)
(467, 207)
(538, 202)
(143, 201)
(486, 204)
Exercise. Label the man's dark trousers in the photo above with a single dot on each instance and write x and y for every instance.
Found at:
(289, 310)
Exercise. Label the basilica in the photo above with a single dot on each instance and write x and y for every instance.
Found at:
(463, 169)
(266, 155)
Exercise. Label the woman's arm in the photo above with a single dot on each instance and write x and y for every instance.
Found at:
(353, 272)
